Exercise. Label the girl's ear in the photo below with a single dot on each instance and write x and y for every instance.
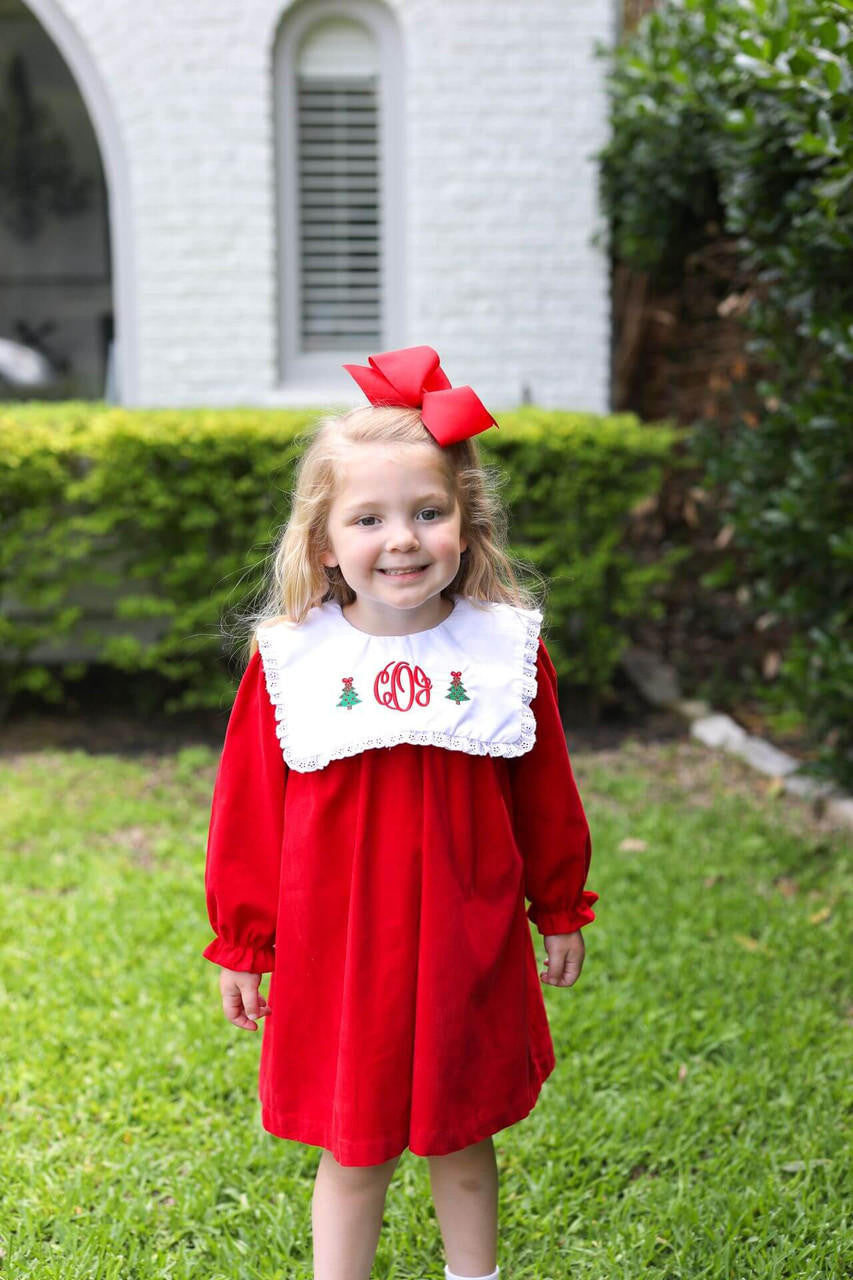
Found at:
(329, 559)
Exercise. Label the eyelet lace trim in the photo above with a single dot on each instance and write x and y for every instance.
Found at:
(418, 737)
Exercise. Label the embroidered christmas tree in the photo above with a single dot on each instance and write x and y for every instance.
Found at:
(349, 697)
(457, 692)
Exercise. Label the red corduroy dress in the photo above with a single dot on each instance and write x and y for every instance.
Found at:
(386, 893)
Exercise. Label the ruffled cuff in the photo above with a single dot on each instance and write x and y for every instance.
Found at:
(568, 921)
(241, 959)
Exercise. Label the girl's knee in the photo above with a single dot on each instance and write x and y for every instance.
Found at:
(476, 1151)
(357, 1178)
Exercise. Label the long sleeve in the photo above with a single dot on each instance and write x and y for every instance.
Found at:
(550, 824)
(244, 842)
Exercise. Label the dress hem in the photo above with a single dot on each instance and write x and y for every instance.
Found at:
(291, 1128)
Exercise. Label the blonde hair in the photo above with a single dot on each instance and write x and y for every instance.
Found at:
(299, 579)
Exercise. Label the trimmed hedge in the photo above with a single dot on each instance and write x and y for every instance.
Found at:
(137, 532)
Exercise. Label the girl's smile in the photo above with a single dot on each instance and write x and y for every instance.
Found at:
(394, 530)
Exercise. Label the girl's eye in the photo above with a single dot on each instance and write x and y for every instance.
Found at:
(430, 513)
(366, 521)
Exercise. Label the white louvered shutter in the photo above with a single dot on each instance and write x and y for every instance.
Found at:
(338, 158)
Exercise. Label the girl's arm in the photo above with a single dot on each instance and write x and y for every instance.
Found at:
(244, 842)
(550, 824)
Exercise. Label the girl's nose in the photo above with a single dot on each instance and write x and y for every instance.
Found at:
(401, 537)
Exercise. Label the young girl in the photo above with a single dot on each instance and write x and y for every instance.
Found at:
(394, 783)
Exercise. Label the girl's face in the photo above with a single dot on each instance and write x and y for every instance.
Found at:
(394, 528)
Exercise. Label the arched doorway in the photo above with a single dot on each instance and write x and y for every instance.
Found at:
(56, 286)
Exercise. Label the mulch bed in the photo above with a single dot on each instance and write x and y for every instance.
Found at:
(657, 743)
(104, 733)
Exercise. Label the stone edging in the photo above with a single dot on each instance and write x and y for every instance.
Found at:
(658, 683)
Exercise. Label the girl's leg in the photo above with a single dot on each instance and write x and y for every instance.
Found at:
(465, 1194)
(346, 1217)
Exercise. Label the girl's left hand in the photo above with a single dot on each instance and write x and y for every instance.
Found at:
(564, 958)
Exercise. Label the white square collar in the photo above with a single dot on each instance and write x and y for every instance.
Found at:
(465, 685)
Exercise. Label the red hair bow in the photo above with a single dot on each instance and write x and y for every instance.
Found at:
(413, 376)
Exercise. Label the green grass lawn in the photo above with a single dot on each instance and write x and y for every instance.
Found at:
(697, 1124)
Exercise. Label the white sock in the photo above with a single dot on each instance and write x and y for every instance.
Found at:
(450, 1275)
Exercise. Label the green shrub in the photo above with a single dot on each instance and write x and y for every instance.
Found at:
(736, 116)
(136, 533)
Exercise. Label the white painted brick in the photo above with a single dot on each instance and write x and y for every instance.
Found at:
(505, 105)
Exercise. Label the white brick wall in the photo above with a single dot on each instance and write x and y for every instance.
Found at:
(504, 106)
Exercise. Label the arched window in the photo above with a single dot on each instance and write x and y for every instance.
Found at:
(339, 180)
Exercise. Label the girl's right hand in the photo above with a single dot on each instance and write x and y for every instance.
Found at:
(242, 1002)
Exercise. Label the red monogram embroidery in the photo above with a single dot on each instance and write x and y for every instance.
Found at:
(407, 685)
